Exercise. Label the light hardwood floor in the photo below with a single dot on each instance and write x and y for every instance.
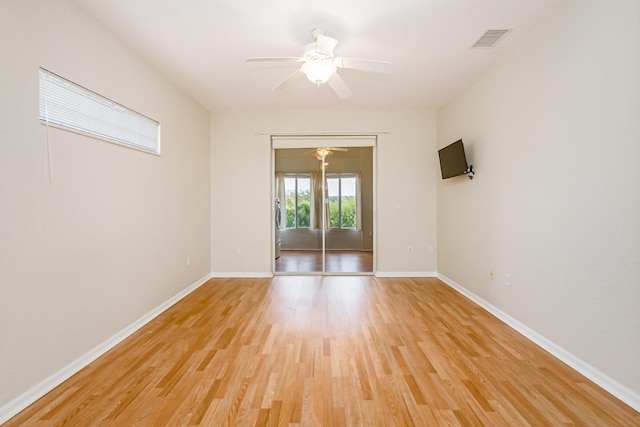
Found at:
(336, 261)
(332, 351)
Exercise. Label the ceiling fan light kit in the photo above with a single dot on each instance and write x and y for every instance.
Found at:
(321, 65)
(318, 72)
(322, 152)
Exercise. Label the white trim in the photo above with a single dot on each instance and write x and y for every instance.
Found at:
(406, 274)
(244, 275)
(21, 402)
(610, 385)
(311, 141)
(324, 133)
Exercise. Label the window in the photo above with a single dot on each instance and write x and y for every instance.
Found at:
(69, 106)
(342, 202)
(297, 192)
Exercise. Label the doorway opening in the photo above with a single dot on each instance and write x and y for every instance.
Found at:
(324, 207)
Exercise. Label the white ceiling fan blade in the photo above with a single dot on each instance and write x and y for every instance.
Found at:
(339, 86)
(325, 44)
(287, 80)
(372, 65)
(273, 58)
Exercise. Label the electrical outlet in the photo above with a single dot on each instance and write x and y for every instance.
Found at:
(188, 261)
(507, 280)
(491, 274)
(409, 250)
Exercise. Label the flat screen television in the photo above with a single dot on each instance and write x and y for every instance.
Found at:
(453, 162)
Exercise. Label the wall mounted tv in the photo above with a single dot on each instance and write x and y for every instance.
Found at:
(453, 161)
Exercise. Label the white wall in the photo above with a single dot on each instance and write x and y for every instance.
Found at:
(554, 134)
(241, 185)
(106, 241)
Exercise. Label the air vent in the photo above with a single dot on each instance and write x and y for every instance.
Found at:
(490, 38)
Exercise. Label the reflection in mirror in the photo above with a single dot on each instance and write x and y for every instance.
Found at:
(324, 210)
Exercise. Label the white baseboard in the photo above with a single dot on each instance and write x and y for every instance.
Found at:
(249, 275)
(12, 408)
(616, 389)
(406, 274)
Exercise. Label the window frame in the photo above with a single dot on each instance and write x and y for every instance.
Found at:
(296, 177)
(340, 177)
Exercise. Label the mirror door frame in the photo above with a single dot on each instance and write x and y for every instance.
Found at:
(284, 141)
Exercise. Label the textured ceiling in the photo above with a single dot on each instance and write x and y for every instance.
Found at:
(201, 46)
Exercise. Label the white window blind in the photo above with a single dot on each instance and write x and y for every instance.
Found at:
(70, 106)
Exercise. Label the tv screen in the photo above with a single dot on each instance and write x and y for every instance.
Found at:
(452, 160)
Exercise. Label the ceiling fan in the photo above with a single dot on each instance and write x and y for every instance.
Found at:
(323, 152)
(320, 64)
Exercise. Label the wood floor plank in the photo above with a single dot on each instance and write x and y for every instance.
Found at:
(335, 351)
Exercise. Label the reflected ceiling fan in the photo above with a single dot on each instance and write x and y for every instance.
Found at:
(326, 151)
(320, 65)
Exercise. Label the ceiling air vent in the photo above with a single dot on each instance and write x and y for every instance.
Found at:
(490, 38)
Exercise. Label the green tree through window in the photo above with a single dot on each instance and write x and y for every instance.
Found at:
(342, 202)
(298, 202)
